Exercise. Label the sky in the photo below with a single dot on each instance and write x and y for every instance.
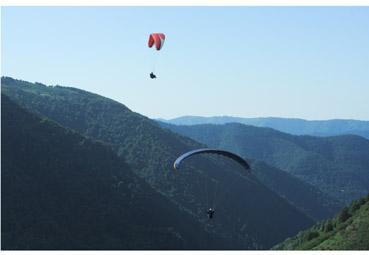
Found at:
(296, 62)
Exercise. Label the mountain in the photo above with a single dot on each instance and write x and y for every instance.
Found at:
(287, 125)
(349, 230)
(302, 195)
(337, 165)
(243, 204)
(63, 191)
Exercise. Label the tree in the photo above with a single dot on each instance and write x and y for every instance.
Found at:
(344, 214)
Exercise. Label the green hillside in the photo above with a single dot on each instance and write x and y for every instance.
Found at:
(244, 205)
(63, 191)
(349, 230)
(337, 165)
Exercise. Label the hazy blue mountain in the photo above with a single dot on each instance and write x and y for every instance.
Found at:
(337, 165)
(347, 231)
(249, 215)
(288, 125)
(63, 191)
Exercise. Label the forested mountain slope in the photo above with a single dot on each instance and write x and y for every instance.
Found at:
(339, 165)
(349, 230)
(302, 195)
(63, 191)
(244, 205)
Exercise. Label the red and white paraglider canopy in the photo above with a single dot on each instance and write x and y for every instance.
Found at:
(157, 39)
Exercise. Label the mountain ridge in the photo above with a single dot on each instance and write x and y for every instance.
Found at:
(295, 126)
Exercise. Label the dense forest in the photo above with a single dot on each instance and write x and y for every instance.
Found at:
(349, 230)
(249, 214)
(61, 190)
(288, 125)
(337, 165)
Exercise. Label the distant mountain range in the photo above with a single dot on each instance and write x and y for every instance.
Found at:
(287, 125)
(250, 215)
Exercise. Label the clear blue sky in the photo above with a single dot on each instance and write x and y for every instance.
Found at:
(305, 62)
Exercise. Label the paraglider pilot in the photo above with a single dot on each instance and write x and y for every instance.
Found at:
(152, 75)
(210, 213)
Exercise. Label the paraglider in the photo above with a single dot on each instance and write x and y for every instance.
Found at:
(228, 154)
(210, 212)
(158, 40)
